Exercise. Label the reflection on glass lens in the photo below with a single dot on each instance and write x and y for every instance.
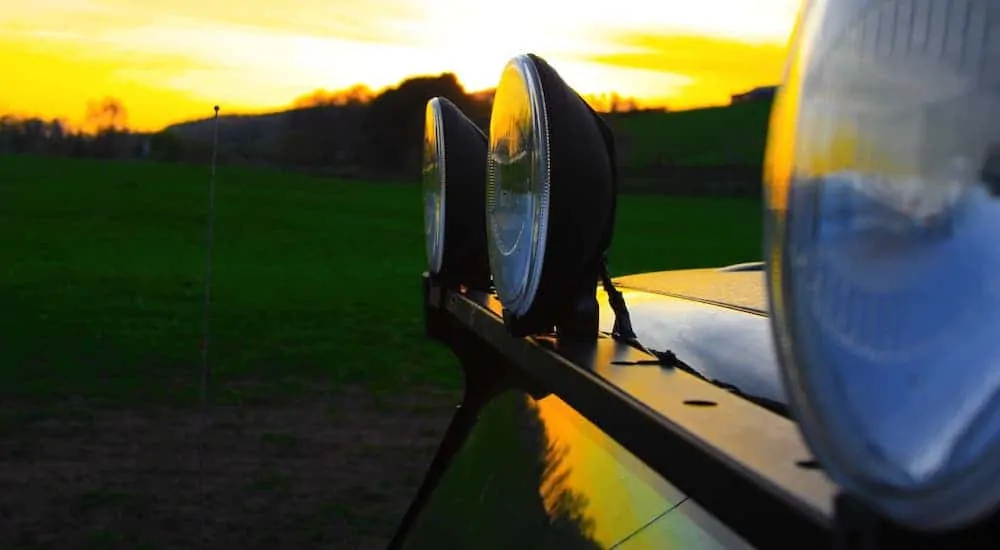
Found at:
(517, 187)
(433, 186)
(883, 231)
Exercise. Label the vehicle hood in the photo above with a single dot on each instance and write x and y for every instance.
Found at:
(715, 321)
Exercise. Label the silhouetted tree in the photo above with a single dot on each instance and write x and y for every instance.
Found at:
(78, 145)
(106, 113)
(358, 94)
(166, 146)
(108, 117)
(325, 136)
(35, 136)
(394, 123)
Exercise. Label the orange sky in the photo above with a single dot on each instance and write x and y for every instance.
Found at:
(173, 60)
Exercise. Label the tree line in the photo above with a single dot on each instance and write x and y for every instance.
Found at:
(356, 132)
(105, 134)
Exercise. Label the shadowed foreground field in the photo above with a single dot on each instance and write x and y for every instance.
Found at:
(326, 401)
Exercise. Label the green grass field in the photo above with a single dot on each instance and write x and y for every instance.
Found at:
(328, 402)
(313, 279)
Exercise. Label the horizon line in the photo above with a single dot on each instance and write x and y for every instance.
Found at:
(661, 104)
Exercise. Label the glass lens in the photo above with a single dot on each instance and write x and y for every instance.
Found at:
(517, 187)
(433, 186)
(883, 262)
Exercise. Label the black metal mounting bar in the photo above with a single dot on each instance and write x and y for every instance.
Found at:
(743, 463)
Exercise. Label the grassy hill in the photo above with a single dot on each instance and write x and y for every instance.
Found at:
(201, 129)
(732, 135)
(693, 145)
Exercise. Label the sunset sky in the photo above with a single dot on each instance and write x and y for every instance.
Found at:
(169, 61)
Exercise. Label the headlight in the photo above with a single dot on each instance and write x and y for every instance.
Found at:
(550, 201)
(454, 164)
(882, 254)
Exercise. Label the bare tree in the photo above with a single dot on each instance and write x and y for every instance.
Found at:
(106, 114)
(108, 119)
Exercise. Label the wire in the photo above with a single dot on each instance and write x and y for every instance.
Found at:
(622, 329)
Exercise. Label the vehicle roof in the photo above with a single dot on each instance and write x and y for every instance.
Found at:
(738, 286)
(713, 320)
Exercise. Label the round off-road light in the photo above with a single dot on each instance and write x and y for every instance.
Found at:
(454, 164)
(550, 197)
(882, 251)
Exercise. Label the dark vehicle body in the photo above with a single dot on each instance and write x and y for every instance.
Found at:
(688, 443)
(608, 446)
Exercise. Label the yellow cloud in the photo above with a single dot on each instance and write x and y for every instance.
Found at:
(714, 67)
(160, 71)
(53, 80)
(382, 21)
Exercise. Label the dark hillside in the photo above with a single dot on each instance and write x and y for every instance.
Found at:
(377, 137)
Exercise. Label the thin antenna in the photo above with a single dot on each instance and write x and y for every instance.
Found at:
(205, 325)
(208, 265)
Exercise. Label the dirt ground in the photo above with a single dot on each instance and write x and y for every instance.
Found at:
(336, 472)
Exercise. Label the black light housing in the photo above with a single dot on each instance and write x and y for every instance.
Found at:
(454, 164)
(550, 200)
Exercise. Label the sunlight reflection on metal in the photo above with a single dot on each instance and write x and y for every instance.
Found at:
(538, 474)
